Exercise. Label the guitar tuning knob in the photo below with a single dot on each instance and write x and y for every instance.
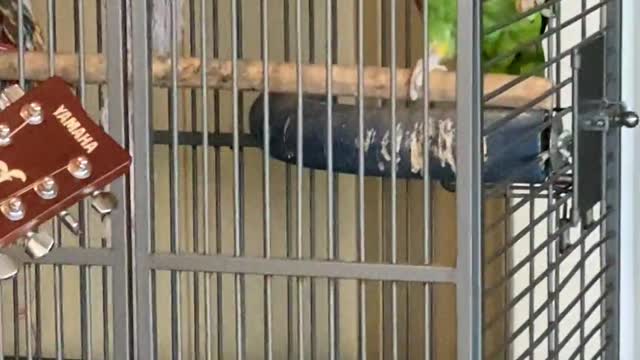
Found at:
(38, 244)
(104, 202)
(10, 95)
(69, 222)
(8, 267)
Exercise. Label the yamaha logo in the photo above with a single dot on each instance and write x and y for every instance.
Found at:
(79, 133)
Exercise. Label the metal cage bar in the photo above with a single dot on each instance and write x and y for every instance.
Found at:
(469, 180)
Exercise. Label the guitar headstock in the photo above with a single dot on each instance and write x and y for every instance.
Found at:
(52, 155)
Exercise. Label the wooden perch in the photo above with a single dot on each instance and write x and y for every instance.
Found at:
(282, 77)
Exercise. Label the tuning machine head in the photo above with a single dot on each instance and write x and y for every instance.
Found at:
(14, 209)
(70, 222)
(32, 113)
(5, 135)
(38, 245)
(10, 95)
(8, 267)
(104, 202)
(47, 188)
(80, 167)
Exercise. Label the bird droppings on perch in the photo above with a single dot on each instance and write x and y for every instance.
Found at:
(282, 78)
(521, 137)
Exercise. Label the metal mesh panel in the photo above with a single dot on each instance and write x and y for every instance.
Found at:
(221, 250)
(561, 275)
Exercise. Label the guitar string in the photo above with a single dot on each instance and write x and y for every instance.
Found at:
(30, 187)
(13, 133)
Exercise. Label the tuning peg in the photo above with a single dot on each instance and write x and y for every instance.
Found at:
(70, 222)
(80, 167)
(47, 188)
(13, 209)
(5, 135)
(10, 95)
(104, 202)
(38, 244)
(32, 113)
(8, 267)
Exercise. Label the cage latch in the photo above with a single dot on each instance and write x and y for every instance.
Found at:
(607, 115)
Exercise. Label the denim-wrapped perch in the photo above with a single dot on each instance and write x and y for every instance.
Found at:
(514, 152)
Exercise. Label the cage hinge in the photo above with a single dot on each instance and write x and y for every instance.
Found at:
(606, 115)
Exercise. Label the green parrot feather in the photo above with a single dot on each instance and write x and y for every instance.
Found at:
(502, 50)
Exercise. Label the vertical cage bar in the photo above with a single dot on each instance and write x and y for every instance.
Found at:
(557, 285)
(176, 303)
(16, 317)
(299, 191)
(119, 219)
(85, 271)
(557, 77)
(241, 182)
(20, 44)
(217, 183)
(195, 175)
(360, 245)
(469, 180)
(27, 311)
(26, 267)
(551, 249)
(583, 23)
(551, 280)
(333, 312)
(2, 285)
(582, 344)
(394, 199)
(105, 240)
(286, 12)
(57, 269)
(106, 310)
(205, 183)
(142, 142)
(268, 279)
(604, 286)
(507, 267)
(532, 238)
(426, 187)
(613, 92)
(101, 13)
(312, 201)
(237, 251)
(575, 71)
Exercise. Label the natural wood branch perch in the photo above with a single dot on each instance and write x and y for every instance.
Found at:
(282, 77)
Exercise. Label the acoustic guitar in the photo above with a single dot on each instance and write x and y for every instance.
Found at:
(52, 155)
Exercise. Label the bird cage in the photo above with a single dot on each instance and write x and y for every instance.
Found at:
(303, 187)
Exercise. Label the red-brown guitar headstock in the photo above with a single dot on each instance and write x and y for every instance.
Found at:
(52, 155)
